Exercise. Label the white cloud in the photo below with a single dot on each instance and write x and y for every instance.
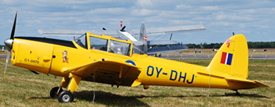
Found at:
(144, 3)
(209, 8)
(234, 17)
(183, 6)
(221, 23)
(257, 11)
(182, 22)
(143, 12)
(241, 25)
(173, 14)
(216, 15)
(108, 11)
(264, 26)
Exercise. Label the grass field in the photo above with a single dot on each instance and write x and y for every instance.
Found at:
(20, 87)
(5, 52)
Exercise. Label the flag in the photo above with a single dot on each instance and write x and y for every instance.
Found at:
(228, 42)
(226, 58)
(145, 38)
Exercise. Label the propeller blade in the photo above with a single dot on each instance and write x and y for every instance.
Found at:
(7, 61)
(171, 36)
(13, 27)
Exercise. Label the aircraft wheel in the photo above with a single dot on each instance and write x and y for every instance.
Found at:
(54, 91)
(65, 97)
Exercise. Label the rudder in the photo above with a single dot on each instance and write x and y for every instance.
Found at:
(143, 38)
(232, 58)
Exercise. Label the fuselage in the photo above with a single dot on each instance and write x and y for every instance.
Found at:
(61, 58)
(50, 58)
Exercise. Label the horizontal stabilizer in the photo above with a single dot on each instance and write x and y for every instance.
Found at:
(259, 84)
(238, 80)
(236, 83)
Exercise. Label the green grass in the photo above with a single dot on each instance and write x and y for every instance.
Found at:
(20, 87)
(5, 52)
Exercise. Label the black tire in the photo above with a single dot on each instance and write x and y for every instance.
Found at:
(53, 92)
(65, 97)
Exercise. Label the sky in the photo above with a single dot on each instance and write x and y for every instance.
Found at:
(253, 18)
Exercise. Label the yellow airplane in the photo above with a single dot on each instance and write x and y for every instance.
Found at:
(112, 61)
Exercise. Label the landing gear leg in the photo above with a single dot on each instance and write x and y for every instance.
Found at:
(237, 93)
(72, 84)
(55, 92)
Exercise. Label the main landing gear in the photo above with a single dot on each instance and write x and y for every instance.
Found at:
(63, 96)
(54, 91)
(71, 84)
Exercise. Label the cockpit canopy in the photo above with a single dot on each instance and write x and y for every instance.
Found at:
(107, 43)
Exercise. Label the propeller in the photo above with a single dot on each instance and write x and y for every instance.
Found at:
(122, 29)
(9, 42)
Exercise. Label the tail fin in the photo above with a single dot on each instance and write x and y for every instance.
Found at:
(143, 38)
(232, 58)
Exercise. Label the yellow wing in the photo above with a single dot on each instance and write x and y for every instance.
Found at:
(107, 71)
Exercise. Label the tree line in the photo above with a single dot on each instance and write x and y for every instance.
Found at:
(218, 45)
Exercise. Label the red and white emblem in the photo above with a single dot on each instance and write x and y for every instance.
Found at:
(228, 42)
(145, 38)
(65, 58)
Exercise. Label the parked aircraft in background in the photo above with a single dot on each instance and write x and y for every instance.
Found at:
(146, 46)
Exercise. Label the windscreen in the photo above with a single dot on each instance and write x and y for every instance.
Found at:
(98, 43)
(81, 41)
(119, 47)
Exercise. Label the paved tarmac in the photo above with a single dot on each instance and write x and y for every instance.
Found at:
(263, 56)
(267, 56)
(3, 56)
